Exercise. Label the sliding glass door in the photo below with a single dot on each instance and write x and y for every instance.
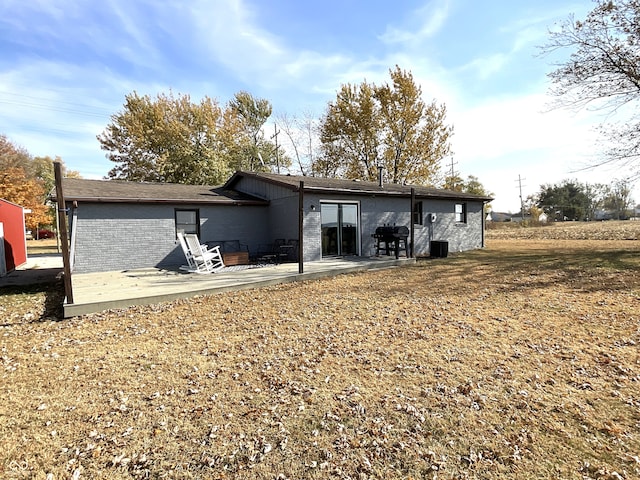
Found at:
(340, 229)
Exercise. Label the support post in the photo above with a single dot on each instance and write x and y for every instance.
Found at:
(63, 231)
(412, 225)
(301, 228)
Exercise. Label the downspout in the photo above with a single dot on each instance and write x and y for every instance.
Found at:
(484, 223)
(74, 228)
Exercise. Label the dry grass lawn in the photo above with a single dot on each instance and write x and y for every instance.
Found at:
(47, 246)
(521, 360)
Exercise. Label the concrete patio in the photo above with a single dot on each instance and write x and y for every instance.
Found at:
(95, 292)
(39, 269)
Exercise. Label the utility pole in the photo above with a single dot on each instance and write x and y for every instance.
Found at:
(450, 183)
(275, 135)
(453, 172)
(521, 201)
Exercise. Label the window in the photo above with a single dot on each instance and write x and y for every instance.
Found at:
(461, 212)
(340, 229)
(417, 213)
(188, 221)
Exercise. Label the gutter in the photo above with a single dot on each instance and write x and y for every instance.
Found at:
(164, 201)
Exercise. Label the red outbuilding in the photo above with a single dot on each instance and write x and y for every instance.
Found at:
(13, 247)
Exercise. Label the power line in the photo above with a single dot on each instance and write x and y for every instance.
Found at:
(53, 108)
(47, 99)
(51, 126)
(53, 105)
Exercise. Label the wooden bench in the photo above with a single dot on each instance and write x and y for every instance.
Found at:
(233, 252)
(235, 258)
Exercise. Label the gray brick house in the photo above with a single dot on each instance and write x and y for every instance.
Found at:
(117, 225)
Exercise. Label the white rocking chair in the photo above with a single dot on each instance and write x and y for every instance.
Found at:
(199, 258)
(191, 264)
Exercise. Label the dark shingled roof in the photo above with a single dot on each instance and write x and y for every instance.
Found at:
(116, 191)
(338, 185)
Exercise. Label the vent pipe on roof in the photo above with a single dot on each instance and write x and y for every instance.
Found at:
(380, 169)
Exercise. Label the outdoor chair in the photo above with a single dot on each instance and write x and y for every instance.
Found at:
(203, 260)
(266, 254)
(191, 264)
(293, 251)
(281, 249)
(278, 252)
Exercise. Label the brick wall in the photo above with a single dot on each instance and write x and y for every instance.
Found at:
(125, 236)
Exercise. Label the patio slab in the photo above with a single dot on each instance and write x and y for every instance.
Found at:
(40, 268)
(95, 292)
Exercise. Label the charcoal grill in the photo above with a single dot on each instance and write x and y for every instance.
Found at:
(392, 237)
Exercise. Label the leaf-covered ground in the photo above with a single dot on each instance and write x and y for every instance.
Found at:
(518, 361)
(609, 230)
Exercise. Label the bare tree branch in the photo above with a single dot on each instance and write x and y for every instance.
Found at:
(603, 73)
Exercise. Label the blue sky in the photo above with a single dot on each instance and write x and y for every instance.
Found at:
(66, 67)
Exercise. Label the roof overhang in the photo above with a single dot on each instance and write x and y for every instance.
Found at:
(111, 191)
(354, 187)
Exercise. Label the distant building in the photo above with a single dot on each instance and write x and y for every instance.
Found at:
(499, 217)
(514, 217)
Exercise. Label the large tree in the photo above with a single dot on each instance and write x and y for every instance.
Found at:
(617, 199)
(257, 153)
(389, 126)
(567, 200)
(14, 156)
(603, 71)
(27, 181)
(471, 185)
(42, 169)
(17, 187)
(350, 135)
(171, 139)
(415, 134)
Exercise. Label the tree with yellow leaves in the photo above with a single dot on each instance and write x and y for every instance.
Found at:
(26, 192)
(26, 181)
(389, 126)
(172, 139)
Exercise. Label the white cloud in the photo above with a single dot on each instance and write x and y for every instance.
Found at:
(503, 138)
(129, 38)
(485, 67)
(231, 36)
(25, 15)
(426, 21)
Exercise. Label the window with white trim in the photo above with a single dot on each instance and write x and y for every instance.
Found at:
(461, 212)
